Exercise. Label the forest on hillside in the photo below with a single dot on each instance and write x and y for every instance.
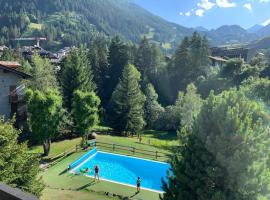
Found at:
(68, 22)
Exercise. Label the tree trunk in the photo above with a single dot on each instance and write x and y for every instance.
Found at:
(46, 146)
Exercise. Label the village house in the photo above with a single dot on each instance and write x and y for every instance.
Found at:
(12, 90)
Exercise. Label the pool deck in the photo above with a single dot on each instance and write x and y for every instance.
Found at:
(57, 177)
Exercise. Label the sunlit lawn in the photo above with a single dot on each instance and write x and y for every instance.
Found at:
(64, 185)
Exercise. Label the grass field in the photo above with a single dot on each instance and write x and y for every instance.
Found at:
(64, 185)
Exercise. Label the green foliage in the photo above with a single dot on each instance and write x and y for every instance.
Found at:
(44, 74)
(18, 167)
(189, 62)
(152, 108)
(98, 57)
(189, 106)
(226, 155)
(149, 61)
(182, 114)
(85, 107)
(69, 22)
(44, 115)
(118, 59)
(127, 102)
(257, 89)
(76, 74)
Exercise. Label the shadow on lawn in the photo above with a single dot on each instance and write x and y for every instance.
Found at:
(162, 135)
(63, 172)
(85, 186)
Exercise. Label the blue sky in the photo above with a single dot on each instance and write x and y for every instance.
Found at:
(210, 13)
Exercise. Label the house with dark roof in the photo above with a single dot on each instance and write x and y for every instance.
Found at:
(12, 90)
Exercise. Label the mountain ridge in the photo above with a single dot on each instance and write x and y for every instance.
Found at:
(68, 22)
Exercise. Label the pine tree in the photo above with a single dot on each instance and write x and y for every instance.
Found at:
(152, 108)
(98, 56)
(118, 59)
(76, 74)
(127, 102)
(18, 167)
(226, 154)
(143, 58)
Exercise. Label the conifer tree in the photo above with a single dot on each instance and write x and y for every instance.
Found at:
(226, 155)
(118, 59)
(76, 75)
(143, 58)
(98, 56)
(127, 103)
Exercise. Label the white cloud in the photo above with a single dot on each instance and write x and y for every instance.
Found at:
(188, 13)
(205, 4)
(225, 4)
(181, 14)
(199, 12)
(266, 22)
(248, 6)
(264, 1)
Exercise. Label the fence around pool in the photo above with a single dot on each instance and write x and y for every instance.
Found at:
(129, 150)
(112, 147)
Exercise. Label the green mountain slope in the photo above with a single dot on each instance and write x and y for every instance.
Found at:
(70, 22)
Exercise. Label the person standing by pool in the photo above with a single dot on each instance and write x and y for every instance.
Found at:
(138, 184)
(96, 172)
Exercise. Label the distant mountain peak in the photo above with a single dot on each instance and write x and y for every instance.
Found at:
(255, 28)
(201, 28)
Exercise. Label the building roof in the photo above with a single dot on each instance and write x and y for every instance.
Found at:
(11, 68)
(11, 64)
(216, 58)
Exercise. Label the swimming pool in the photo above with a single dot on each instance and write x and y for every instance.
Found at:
(123, 169)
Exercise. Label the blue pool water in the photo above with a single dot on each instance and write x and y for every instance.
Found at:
(123, 169)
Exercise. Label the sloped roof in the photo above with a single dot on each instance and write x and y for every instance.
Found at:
(11, 64)
(13, 69)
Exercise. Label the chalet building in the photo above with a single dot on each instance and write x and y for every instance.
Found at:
(228, 53)
(11, 90)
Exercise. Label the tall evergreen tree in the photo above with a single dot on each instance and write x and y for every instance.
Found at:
(76, 74)
(118, 59)
(152, 108)
(180, 66)
(98, 56)
(190, 61)
(143, 58)
(149, 61)
(226, 155)
(127, 103)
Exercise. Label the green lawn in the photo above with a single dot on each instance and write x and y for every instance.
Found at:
(64, 185)
(163, 142)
